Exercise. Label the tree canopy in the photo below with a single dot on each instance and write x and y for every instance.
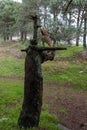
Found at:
(66, 20)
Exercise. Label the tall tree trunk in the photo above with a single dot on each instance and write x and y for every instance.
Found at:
(22, 35)
(45, 15)
(4, 38)
(33, 88)
(84, 35)
(7, 38)
(54, 16)
(69, 24)
(77, 33)
(11, 37)
(25, 36)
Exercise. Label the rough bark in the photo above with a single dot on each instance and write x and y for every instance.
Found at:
(33, 85)
(77, 33)
(33, 88)
(84, 35)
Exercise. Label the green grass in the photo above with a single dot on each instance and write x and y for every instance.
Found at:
(63, 111)
(11, 66)
(1, 40)
(70, 51)
(10, 105)
(71, 72)
(49, 121)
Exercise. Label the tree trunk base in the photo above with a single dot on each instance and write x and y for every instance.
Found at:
(33, 91)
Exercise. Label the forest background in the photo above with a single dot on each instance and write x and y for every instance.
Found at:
(64, 26)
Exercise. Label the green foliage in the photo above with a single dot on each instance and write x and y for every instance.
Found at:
(15, 18)
(80, 2)
(8, 16)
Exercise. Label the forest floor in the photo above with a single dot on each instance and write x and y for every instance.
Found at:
(68, 104)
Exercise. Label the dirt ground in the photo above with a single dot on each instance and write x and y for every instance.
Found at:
(68, 104)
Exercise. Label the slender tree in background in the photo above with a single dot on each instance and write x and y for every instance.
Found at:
(85, 24)
(79, 15)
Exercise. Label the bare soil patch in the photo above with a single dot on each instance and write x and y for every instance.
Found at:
(69, 105)
(12, 77)
(81, 55)
(10, 49)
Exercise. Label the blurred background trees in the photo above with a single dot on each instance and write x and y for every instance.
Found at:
(64, 26)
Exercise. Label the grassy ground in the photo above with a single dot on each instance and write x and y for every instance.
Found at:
(55, 72)
(70, 51)
(67, 71)
(10, 105)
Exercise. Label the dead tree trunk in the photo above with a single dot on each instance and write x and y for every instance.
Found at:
(84, 35)
(33, 85)
(33, 89)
